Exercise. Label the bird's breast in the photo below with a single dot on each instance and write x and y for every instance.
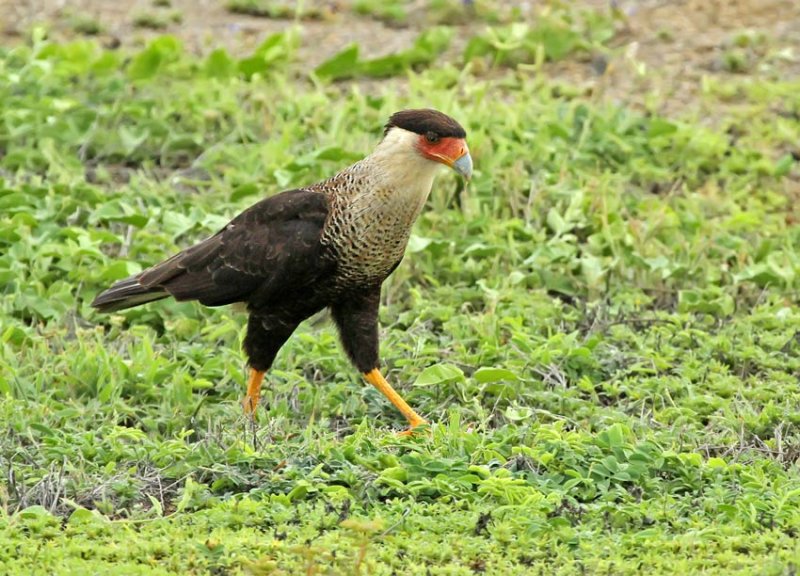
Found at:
(368, 255)
(371, 211)
(367, 243)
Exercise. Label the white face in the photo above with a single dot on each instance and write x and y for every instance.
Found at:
(401, 161)
(451, 151)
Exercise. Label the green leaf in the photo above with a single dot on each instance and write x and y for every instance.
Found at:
(147, 63)
(476, 47)
(337, 154)
(14, 335)
(783, 165)
(131, 140)
(300, 491)
(190, 491)
(556, 223)
(277, 46)
(613, 437)
(518, 414)
(417, 244)
(270, 54)
(396, 473)
(252, 65)
(661, 127)
(484, 375)
(709, 301)
(219, 64)
(428, 45)
(120, 270)
(439, 374)
(593, 270)
(558, 40)
(245, 190)
(156, 507)
(118, 211)
(36, 511)
(84, 516)
(340, 65)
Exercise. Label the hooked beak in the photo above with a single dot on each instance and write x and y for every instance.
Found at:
(452, 152)
(463, 166)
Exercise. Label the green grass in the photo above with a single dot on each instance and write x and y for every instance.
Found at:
(157, 20)
(272, 9)
(85, 24)
(392, 12)
(602, 327)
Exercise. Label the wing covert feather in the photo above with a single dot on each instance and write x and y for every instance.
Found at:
(273, 245)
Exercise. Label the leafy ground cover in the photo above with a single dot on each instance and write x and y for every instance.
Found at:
(603, 326)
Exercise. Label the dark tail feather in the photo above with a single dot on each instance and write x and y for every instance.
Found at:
(127, 294)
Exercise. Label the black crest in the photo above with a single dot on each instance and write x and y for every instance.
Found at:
(424, 121)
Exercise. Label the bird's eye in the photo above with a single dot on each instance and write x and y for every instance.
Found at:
(432, 137)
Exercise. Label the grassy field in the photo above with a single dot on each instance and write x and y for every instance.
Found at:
(603, 326)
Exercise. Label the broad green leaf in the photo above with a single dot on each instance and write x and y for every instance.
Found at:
(121, 269)
(518, 414)
(556, 223)
(252, 65)
(36, 511)
(660, 127)
(439, 374)
(245, 190)
(219, 64)
(147, 63)
(484, 375)
(340, 65)
(84, 516)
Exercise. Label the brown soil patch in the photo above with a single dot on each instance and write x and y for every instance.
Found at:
(664, 47)
(670, 47)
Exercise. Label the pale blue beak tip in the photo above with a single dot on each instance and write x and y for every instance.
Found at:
(464, 166)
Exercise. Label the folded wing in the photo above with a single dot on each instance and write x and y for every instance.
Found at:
(272, 247)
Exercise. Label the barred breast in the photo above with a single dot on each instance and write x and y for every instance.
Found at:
(369, 223)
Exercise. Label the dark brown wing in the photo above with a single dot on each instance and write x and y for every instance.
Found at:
(272, 246)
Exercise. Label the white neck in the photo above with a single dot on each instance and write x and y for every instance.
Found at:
(402, 176)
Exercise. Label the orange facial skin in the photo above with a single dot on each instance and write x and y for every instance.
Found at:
(444, 150)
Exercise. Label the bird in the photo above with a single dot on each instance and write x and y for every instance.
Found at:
(328, 245)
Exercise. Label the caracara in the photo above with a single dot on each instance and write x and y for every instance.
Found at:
(328, 245)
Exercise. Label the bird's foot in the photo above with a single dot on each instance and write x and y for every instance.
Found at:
(413, 428)
(249, 406)
(375, 378)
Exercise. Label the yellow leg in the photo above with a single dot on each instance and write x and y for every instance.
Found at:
(250, 401)
(375, 378)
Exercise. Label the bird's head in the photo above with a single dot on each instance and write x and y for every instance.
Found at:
(431, 135)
